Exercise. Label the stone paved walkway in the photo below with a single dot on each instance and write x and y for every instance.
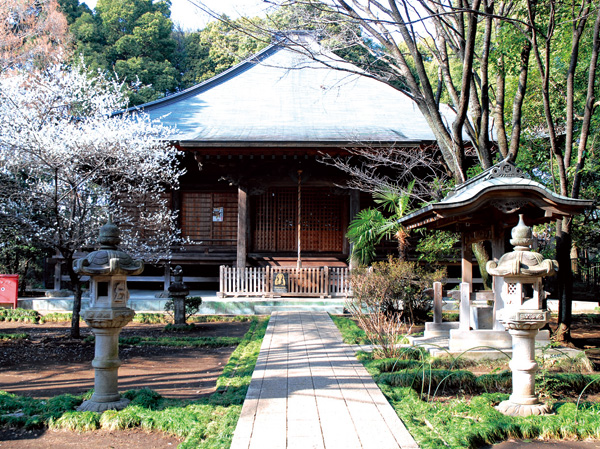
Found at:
(309, 391)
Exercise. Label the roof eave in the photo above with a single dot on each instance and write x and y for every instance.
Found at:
(296, 143)
(440, 210)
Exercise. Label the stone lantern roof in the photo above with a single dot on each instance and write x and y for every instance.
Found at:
(108, 260)
(522, 262)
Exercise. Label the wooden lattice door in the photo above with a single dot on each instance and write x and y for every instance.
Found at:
(276, 220)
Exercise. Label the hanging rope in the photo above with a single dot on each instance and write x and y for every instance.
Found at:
(299, 263)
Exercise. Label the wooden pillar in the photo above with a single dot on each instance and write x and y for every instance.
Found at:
(498, 244)
(242, 234)
(326, 289)
(467, 262)
(354, 208)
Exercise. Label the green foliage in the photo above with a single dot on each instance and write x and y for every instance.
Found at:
(192, 305)
(150, 318)
(233, 383)
(76, 421)
(428, 380)
(216, 48)
(57, 317)
(132, 38)
(21, 336)
(351, 332)
(436, 245)
(463, 424)
(144, 397)
(412, 386)
(363, 233)
(19, 255)
(22, 315)
(370, 226)
(22, 411)
(176, 342)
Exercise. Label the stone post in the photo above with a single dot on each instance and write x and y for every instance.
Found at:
(108, 313)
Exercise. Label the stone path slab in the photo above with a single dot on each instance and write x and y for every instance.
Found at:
(309, 391)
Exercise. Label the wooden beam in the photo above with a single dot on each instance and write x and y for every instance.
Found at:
(353, 210)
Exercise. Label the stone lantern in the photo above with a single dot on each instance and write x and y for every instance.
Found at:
(523, 315)
(108, 313)
(178, 291)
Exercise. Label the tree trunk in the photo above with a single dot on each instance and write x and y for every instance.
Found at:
(23, 283)
(76, 283)
(565, 281)
(482, 257)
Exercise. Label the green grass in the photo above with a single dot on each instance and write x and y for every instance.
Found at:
(19, 315)
(414, 387)
(57, 317)
(33, 316)
(14, 336)
(206, 423)
(352, 334)
(430, 396)
(181, 342)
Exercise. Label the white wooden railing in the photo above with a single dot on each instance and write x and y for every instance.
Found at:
(315, 282)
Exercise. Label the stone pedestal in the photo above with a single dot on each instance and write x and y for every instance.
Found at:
(523, 401)
(106, 326)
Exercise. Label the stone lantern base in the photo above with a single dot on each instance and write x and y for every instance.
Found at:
(100, 407)
(523, 327)
(512, 409)
(106, 325)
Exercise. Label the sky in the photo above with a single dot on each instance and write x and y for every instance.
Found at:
(191, 18)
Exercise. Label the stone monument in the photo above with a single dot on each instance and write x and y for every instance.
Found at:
(108, 314)
(523, 315)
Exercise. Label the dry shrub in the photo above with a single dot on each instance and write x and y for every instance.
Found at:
(388, 298)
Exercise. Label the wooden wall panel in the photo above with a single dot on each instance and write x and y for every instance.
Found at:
(276, 215)
(197, 217)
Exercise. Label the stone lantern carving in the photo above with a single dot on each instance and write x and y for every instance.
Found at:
(108, 313)
(523, 315)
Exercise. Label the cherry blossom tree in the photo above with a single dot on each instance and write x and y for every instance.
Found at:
(67, 161)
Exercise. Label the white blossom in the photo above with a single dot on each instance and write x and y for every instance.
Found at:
(67, 161)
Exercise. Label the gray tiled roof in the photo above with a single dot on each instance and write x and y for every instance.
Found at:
(503, 178)
(281, 96)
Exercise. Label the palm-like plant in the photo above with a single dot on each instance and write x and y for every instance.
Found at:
(371, 225)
